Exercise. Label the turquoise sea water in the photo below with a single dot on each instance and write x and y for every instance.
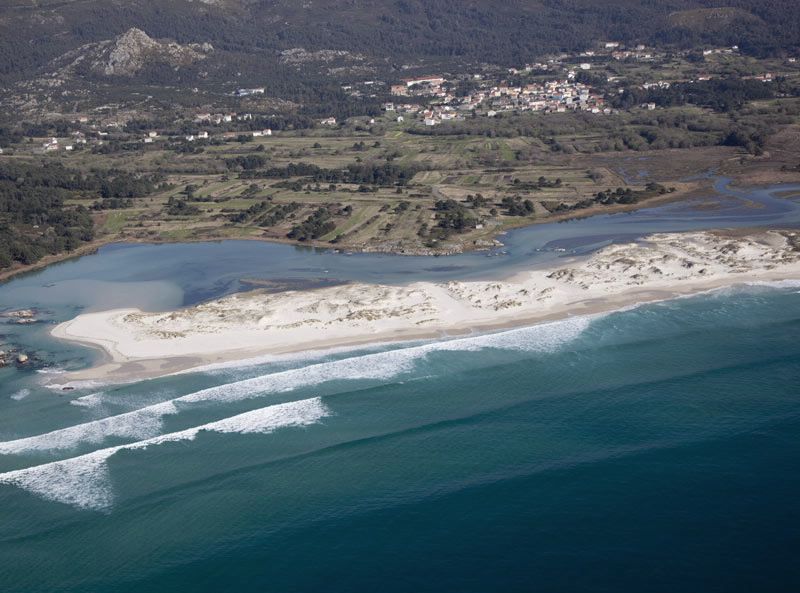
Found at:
(650, 449)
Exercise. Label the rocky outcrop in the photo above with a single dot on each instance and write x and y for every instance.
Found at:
(129, 53)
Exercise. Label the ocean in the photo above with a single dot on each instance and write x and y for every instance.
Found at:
(649, 449)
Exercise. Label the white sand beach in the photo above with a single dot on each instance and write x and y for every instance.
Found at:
(139, 344)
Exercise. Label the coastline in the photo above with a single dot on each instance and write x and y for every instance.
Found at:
(211, 237)
(51, 260)
(139, 345)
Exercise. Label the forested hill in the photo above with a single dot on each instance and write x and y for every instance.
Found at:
(245, 32)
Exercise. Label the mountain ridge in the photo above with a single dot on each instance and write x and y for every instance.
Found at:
(32, 34)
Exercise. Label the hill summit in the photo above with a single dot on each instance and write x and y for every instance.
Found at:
(128, 53)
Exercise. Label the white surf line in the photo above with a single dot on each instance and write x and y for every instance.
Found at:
(147, 421)
(138, 424)
(83, 481)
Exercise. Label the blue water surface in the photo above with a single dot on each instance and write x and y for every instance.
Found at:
(650, 449)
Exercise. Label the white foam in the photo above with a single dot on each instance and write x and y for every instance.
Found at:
(139, 424)
(788, 283)
(83, 481)
(545, 337)
(93, 400)
(389, 364)
(21, 394)
(284, 359)
(385, 365)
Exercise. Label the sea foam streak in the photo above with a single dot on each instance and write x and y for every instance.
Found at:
(146, 421)
(139, 424)
(83, 481)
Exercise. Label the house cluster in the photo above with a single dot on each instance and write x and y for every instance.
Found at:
(204, 135)
(424, 86)
(404, 108)
(554, 96)
(765, 77)
(640, 53)
(665, 84)
(536, 67)
(491, 99)
(218, 119)
(440, 113)
(69, 144)
(565, 90)
(199, 136)
(222, 118)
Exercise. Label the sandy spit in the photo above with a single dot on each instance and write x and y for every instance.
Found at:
(139, 345)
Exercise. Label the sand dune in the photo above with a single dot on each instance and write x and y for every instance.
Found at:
(141, 344)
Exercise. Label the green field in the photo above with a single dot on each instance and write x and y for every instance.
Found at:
(563, 160)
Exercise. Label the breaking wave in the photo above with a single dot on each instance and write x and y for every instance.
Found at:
(147, 421)
(83, 481)
(139, 424)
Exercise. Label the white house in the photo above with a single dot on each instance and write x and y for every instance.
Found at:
(248, 92)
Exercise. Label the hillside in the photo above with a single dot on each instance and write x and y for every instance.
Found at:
(251, 33)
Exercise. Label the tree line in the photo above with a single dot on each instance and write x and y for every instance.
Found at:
(35, 219)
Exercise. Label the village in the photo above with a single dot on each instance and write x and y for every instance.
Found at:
(583, 82)
(557, 84)
(491, 99)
